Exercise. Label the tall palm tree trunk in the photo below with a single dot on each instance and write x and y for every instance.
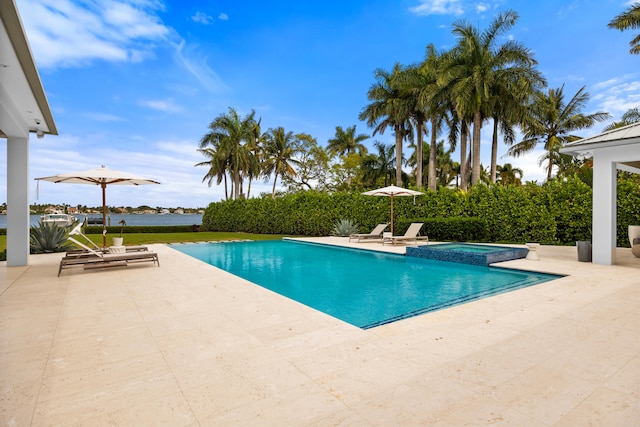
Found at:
(273, 190)
(399, 137)
(494, 150)
(420, 143)
(475, 160)
(463, 154)
(433, 155)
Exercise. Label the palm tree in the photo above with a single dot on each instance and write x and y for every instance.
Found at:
(227, 134)
(279, 154)
(255, 145)
(631, 116)
(477, 67)
(379, 166)
(217, 168)
(552, 122)
(629, 19)
(389, 108)
(509, 174)
(346, 141)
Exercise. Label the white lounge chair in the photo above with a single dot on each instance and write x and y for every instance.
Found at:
(95, 257)
(376, 233)
(411, 235)
(77, 231)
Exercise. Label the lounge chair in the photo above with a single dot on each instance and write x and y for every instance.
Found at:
(77, 231)
(376, 233)
(96, 258)
(411, 236)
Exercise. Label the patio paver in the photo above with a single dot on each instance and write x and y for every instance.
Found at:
(186, 344)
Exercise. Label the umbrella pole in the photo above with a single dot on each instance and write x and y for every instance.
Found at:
(104, 215)
(392, 214)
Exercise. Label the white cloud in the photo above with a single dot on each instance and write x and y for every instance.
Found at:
(187, 57)
(73, 33)
(616, 96)
(482, 7)
(202, 18)
(103, 117)
(171, 162)
(223, 17)
(438, 7)
(166, 105)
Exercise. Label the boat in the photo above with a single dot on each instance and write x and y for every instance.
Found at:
(59, 219)
(94, 221)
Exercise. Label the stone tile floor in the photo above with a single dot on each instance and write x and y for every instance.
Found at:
(186, 344)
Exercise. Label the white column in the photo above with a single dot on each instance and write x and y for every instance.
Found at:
(17, 201)
(604, 209)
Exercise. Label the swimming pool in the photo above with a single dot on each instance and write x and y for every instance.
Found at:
(364, 288)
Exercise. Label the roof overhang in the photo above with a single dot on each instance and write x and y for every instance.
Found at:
(23, 102)
(627, 136)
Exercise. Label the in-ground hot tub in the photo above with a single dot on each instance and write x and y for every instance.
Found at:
(467, 253)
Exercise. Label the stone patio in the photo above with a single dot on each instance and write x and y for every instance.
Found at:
(186, 344)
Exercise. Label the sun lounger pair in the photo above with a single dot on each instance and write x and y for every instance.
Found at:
(376, 234)
(410, 236)
(95, 257)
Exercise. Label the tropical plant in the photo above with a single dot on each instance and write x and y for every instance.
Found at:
(123, 224)
(347, 142)
(379, 166)
(552, 122)
(312, 168)
(388, 108)
(48, 237)
(345, 228)
(279, 152)
(629, 19)
(476, 68)
(231, 139)
(509, 174)
(631, 116)
(349, 145)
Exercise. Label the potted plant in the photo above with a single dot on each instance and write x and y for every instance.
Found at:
(117, 241)
(584, 249)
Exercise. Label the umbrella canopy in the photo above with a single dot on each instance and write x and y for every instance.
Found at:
(101, 176)
(392, 191)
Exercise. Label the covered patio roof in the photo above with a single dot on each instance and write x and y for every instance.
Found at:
(24, 109)
(614, 150)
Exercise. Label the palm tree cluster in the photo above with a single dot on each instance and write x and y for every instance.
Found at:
(477, 81)
(484, 78)
(238, 150)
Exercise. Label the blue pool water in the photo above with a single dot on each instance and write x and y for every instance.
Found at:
(361, 287)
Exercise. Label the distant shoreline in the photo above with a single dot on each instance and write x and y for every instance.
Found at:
(130, 219)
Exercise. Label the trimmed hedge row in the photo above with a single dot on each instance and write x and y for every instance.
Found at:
(558, 212)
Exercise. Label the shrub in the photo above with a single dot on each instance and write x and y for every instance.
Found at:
(344, 228)
(48, 237)
(558, 212)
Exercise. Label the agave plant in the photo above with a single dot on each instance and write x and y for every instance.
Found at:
(344, 227)
(48, 237)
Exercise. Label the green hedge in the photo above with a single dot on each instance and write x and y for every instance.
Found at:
(558, 212)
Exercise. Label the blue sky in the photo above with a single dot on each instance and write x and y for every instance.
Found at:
(133, 84)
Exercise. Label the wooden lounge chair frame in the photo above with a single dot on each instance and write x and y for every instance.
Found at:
(410, 236)
(376, 233)
(95, 258)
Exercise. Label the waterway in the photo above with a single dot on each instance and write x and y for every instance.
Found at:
(130, 219)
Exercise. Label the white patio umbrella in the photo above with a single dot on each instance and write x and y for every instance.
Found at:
(101, 176)
(392, 191)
